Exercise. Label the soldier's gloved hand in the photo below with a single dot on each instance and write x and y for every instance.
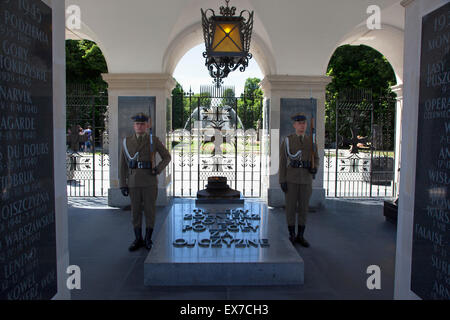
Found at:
(125, 191)
(284, 187)
(313, 170)
(154, 172)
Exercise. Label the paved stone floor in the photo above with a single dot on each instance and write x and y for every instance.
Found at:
(346, 237)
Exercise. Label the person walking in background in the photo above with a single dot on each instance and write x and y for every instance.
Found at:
(89, 143)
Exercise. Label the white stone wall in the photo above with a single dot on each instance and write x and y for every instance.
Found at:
(290, 37)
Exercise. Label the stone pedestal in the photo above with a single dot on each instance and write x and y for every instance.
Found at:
(308, 91)
(128, 93)
(211, 265)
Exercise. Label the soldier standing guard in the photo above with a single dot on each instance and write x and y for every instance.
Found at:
(298, 163)
(138, 176)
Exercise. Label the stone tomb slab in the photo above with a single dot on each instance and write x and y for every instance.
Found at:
(202, 201)
(181, 255)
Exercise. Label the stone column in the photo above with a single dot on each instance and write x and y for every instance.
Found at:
(276, 88)
(398, 90)
(156, 88)
(59, 153)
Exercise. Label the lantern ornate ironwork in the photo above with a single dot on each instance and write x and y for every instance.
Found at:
(227, 40)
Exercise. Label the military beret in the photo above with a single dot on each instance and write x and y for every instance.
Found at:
(140, 117)
(299, 117)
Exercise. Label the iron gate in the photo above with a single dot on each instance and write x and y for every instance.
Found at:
(87, 156)
(216, 134)
(360, 146)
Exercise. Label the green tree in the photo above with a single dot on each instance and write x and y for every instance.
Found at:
(84, 65)
(250, 104)
(203, 100)
(185, 104)
(179, 114)
(357, 68)
(229, 98)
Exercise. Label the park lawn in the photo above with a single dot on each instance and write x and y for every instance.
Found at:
(208, 147)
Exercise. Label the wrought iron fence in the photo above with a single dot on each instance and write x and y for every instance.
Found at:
(87, 155)
(360, 151)
(216, 134)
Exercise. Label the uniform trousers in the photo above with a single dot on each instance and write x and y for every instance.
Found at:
(297, 202)
(143, 199)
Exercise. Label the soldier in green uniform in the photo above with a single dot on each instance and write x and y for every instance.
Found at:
(298, 163)
(138, 176)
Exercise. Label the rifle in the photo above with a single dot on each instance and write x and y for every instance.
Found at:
(152, 153)
(313, 141)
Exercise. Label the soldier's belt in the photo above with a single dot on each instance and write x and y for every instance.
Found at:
(132, 164)
(300, 164)
(144, 165)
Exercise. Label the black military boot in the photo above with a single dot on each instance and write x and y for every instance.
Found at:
(300, 239)
(291, 234)
(148, 238)
(138, 242)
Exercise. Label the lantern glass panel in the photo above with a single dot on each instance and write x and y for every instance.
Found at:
(227, 38)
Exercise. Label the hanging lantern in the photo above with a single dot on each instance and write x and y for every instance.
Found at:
(227, 41)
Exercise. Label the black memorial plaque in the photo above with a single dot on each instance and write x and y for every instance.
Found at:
(27, 200)
(430, 274)
(289, 107)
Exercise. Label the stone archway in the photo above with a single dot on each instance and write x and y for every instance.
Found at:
(193, 36)
(226, 158)
(86, 33)
(388, 41)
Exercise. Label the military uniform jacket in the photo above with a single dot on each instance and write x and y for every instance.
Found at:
(296, 175)
(141, 177)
